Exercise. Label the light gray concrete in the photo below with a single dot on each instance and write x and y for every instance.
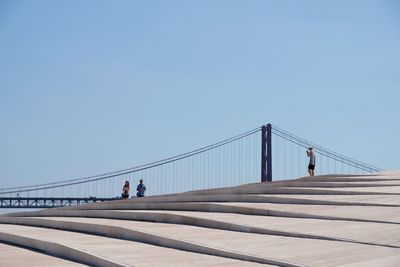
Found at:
(283, 199)
(377, 199)
(11, 256)
(239, 208)
(194, 219)
(56, 249)
(257, 245)
(343, 220)
(385, 234)
(387, 190)
(127, 252)
(390, 214)
(138, 235)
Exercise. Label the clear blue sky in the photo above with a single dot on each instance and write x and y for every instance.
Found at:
(94, 86)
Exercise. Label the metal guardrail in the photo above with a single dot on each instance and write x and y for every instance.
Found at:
(43, 202)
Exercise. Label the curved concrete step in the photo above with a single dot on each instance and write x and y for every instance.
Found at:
(326, 184)
(16, 256)
(204, 207)
(159, 217)
(263, 188)
(226, 199)
(246, 198)
(345, 179)
(392, 201)
(140, 236)
(262, 246)
(59, 250)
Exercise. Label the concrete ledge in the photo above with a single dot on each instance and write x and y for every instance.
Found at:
(345, 179)
(326, 184)
(236, 194)
(263, 188)
(249, 199)
(58, 250)
(184, 220)
(186, 206)
(138, 236)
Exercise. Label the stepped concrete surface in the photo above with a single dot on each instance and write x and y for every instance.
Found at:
(328, 220)
(15, 256)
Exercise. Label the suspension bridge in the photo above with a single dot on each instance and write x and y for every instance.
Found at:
(264, 154)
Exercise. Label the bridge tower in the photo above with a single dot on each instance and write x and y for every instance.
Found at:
(266, 153)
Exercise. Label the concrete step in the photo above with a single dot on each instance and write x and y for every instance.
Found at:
(255, 247)
(13, 256)
(99, 232)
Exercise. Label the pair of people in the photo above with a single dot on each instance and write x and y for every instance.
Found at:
(141, 188)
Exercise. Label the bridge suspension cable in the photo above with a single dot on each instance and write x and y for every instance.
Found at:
(233, 161)
(326, 152)
(328, 161)
(119, 173)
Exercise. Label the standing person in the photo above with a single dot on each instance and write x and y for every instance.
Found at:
(125, 190)
(140, 188)
(311, 165)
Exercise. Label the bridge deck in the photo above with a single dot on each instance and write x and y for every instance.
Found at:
(43, 202)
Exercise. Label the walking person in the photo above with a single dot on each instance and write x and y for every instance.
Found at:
(311, 165)
(125, 190)
(141, 188)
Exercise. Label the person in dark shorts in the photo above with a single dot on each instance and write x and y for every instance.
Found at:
(311, 164)
(141, 188)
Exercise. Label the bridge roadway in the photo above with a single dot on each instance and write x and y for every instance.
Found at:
(331, 220)
(47, 202)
